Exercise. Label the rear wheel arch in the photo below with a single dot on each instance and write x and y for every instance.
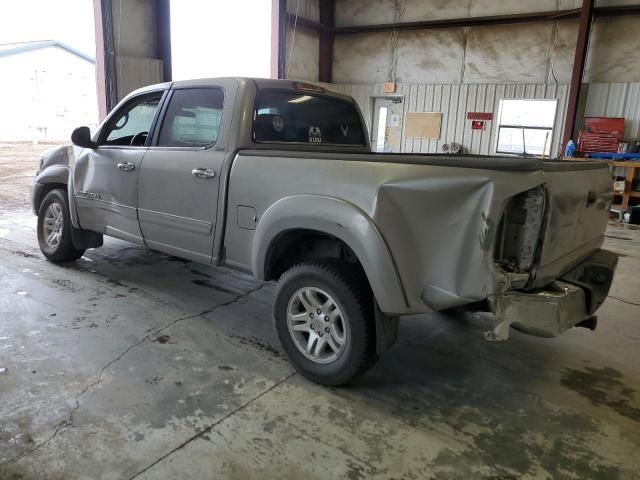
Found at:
(300, 245)
(304, 217)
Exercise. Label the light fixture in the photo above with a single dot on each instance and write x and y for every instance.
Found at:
(301, 99)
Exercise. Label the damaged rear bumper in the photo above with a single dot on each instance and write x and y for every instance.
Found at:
(561, 305)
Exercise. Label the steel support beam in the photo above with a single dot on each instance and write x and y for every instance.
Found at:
(163, 37)
(283, 25)
(325, 54)
(105, 57)
(275, 38)
(579, 60)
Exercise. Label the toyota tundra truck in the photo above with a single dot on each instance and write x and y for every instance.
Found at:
(276, 178)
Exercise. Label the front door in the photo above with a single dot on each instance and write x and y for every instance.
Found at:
(386, 129)
(105, 178)
(180, 175)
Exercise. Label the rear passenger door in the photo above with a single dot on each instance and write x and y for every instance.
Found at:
(180, 176)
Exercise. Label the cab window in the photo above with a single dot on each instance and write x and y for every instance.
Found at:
(301, 117)
(131, 125)
(193, 118)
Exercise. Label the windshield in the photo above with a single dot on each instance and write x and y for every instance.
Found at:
(285, 116)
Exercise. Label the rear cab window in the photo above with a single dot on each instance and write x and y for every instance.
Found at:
(286, 116)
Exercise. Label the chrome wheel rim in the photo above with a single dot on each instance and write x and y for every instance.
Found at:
(316, 324)
(52, 225)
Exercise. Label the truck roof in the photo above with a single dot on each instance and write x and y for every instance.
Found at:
(260, 83)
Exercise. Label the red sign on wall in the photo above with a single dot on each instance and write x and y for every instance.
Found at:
(477, 125)
(479, 115)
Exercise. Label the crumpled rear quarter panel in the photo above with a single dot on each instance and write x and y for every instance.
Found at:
(441, 229)
(438, 221)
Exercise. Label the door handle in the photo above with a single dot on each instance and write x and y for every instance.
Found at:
(126, 166)
(203, 172)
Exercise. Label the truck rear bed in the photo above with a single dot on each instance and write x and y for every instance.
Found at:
(439, 215)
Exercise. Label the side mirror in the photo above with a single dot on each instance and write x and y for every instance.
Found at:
(81, 137)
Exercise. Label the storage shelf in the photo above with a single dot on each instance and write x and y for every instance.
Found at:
(631, 166)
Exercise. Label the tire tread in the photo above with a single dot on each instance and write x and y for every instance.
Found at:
(358, 287)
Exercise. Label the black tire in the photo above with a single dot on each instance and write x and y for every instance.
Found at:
(63, 251)
(352, 294)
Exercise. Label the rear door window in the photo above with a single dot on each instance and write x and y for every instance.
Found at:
(286, 116)
(193, 118)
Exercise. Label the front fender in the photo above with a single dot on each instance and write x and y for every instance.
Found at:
(344, 221)
(56, 170)
(52, 175)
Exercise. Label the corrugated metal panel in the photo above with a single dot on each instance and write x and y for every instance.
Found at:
(616, 100)
(454, 101)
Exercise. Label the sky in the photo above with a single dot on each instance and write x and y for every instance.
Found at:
(210, 38)
(70, 21)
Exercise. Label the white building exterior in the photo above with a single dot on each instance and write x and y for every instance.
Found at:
(46, 90)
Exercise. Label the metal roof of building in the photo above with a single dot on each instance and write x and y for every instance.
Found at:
(7, 49)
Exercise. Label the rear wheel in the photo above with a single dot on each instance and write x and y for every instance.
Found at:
(324, 318)
(54, 228)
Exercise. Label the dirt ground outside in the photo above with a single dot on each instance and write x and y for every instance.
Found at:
(18, 166)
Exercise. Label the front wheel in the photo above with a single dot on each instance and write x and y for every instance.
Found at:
(324, 318)
(54, 228)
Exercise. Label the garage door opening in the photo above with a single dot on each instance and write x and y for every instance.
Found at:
(220, 39)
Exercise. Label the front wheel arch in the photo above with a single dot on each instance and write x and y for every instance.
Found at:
(37, 201)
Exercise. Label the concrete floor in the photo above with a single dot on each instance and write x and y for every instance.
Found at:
(132, 364)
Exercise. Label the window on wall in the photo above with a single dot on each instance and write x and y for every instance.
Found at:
(525, 127)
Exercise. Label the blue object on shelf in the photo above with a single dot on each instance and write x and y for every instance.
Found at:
(626, 156)
(569, 149)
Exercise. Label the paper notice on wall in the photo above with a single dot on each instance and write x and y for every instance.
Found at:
(423, 124)
(394, 121)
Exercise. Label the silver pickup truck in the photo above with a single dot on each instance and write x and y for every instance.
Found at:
(276, 178)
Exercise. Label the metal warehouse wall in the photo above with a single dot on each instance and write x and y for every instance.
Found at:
(454, 101)
(302, 44)
(616, 100)
(135, 48)
(540, 52)
(457, 70)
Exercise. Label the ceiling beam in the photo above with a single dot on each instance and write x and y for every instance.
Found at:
(305, 23)
(512, 19)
